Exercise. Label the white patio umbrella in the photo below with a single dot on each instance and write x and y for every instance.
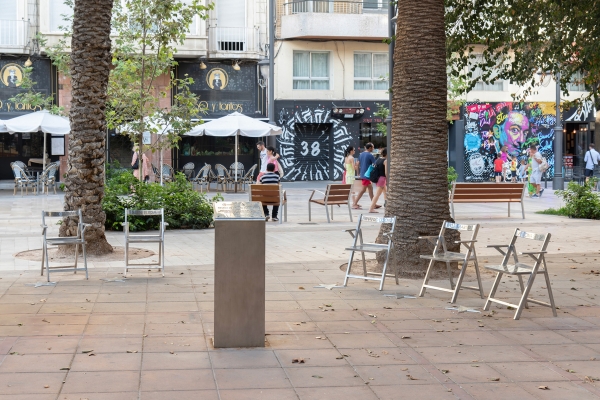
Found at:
(35, 122)
(235, 124)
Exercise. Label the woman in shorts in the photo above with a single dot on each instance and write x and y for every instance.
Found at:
(381, 165)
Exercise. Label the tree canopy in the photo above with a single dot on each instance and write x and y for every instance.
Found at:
(524, 41)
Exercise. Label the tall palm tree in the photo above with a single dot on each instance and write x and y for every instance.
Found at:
(90, 67)
(418, 191)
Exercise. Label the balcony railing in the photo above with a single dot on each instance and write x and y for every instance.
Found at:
(335, 6)
(233, 40)
(13, 34)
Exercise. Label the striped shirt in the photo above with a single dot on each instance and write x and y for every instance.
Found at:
(270, 177)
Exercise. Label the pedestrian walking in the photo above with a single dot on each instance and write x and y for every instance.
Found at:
(349, 167)
(365, 160)
(264, 159)
(591, 159)
(144, 167)
(498, 167)
(270, 178)
(513, 169)
(381, 166)
(536, 171)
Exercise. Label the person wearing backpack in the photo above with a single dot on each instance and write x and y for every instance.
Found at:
(365, 160)
(536, 170)
(378, 176)
(592, 158)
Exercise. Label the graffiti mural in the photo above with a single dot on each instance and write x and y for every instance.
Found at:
(312, 143)
(516, 125)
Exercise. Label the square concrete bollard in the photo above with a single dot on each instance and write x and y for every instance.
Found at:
(239, 275)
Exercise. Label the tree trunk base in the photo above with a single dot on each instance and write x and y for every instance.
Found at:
(98, 248)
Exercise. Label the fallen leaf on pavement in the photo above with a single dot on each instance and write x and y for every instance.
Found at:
(86, 351)
(494, 379)
(298, 361)
(544, 387)
(410, 377)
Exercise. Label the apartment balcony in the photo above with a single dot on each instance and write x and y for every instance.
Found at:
(14, 35)
(242, 43)
(333, 19)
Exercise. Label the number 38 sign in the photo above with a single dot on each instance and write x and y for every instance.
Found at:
(307, 157)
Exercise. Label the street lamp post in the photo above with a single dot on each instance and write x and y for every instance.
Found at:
(558, 182)
(388, 119)
(271, 83)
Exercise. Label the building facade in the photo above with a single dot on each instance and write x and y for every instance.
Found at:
(331, 70)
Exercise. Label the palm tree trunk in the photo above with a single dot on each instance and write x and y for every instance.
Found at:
(418, 191)
(90, 67)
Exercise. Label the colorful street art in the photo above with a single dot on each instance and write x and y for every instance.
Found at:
(516, 125)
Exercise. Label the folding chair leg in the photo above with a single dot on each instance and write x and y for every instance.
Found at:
(478, 277)
(126, 255)
(161, 251)
(76, 257)
(493, 291)
(43, 258)
(522, 288)
(452, 209)
(348, 269)
(426, 280)
(461, 275)
(549, 290)
(364, 263)
(47, 264)
(84, 260)
(449, 269)
(387, 257)
(523, 301)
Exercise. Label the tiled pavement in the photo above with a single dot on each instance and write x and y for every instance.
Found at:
(149, 337)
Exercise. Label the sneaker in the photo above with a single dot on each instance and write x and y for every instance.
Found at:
(541, 192)
(267, 218)
(535, 196)
(275, 219)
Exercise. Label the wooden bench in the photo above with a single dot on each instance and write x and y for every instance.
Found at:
(487, 193)
(335, 195)
(270, 195)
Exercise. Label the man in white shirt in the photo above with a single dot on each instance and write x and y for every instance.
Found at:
(592, 158)
(536, 173)
(264, 158)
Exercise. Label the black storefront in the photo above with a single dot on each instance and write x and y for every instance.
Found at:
(316, 134)
(23, 146)
(222, 90)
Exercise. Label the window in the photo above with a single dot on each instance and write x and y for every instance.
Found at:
(371, 4)
(497, 86)
(58, 11)
(311, 70)
(317, 6)
(576, 84)
(370, 71)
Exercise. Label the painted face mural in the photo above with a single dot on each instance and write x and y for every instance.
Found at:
(490, 126)
(514, 131)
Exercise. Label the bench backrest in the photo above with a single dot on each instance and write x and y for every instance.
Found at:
(337, 193)
(488, 191)
(267, 194)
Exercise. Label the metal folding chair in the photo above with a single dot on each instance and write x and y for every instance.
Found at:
(359, 245)
(441, 254)
(77, 240)
(520, 269)
(145, 238)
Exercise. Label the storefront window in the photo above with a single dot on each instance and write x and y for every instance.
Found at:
(33, 145)
(369, 133)
(8, 145)
(216, 146)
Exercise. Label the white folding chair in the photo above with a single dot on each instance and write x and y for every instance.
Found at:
(145, 238)
(441, 254)
(359, 245)
(520, 269)
(77, 240)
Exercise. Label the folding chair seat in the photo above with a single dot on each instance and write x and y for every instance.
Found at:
(441, 254)
(519, 269)
(358, 245)
(158, 237)
(77, 240)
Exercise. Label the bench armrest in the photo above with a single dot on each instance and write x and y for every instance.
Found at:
(428, 237)
(313, 193)
(350, 231)
(497, 245)
(528, 253)
(465, 241)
